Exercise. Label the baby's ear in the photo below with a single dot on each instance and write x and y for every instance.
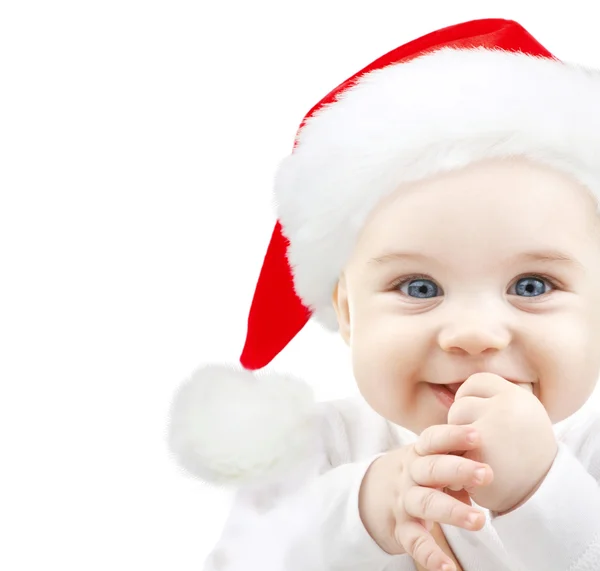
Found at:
(342, 309)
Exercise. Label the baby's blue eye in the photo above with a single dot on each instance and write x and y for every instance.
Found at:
(530, 287)
(426, 289)
(420, 288)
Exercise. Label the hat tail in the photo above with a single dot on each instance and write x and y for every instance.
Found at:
(277, 314)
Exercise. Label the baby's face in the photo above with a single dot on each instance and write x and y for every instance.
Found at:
(475, 294)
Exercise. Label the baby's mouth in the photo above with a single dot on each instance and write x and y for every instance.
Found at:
(453, 387)
(443, 394)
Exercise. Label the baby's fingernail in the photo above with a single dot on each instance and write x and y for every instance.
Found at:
(479, 475)
(472, 437)
(446, 567)
(472, 518)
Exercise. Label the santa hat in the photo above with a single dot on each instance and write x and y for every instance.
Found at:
(468, 92)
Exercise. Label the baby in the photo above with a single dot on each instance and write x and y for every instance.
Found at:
(440, 210)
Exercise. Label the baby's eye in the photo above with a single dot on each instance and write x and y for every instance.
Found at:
(424, 288)
(531, 286)
(421, 288)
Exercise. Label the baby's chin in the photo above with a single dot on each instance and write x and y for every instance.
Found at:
(420, 418)
(431, 419)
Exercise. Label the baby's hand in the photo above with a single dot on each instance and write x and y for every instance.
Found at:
(517, 438)
(402, 493)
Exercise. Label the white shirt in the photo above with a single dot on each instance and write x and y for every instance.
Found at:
(310, 521)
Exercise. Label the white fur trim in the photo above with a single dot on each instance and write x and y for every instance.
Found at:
(231, 427)
(412, 120)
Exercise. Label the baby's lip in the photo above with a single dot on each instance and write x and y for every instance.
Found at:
(453, 387)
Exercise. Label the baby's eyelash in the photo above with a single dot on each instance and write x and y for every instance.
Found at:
(401, 281)
(548, 279)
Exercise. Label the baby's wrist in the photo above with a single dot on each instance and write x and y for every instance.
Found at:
(513, 505)
(375, 509)
(522, 499)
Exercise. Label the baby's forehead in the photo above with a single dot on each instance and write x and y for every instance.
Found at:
(497, 192)
(498, 229)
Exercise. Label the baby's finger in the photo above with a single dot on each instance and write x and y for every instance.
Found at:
(461, 495)
(445, 438)
(467, 410)
(527, 386)
(449, 471)
(429, 504)
(427, 524)
(422, 547)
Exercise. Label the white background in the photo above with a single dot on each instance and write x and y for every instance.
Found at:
(138, 146)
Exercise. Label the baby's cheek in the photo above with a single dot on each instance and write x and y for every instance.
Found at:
(562, 401)
(373, 362)
(370, 373)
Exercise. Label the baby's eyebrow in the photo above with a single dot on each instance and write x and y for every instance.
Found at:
(547, 256)
(550, 256)
(395, 256)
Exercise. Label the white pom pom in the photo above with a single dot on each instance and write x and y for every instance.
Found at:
(229, 426)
